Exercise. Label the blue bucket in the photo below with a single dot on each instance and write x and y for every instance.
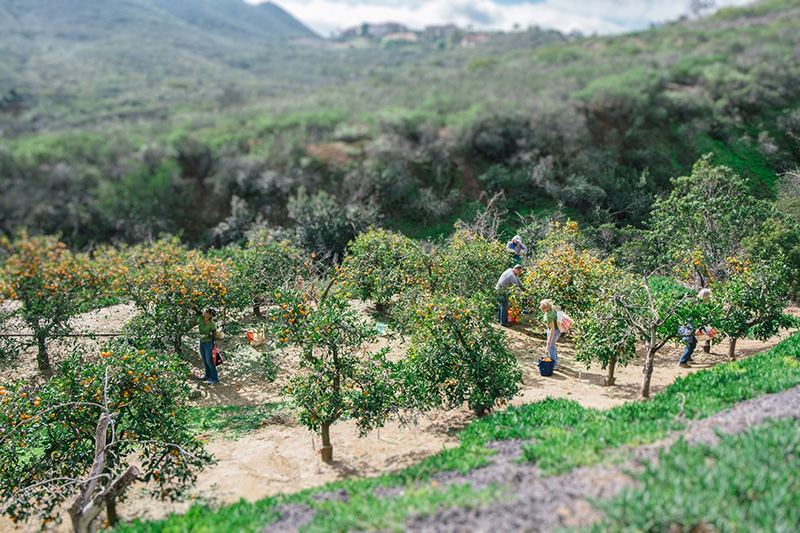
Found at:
(546, 367)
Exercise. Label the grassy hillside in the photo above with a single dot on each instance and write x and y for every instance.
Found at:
(410, 135)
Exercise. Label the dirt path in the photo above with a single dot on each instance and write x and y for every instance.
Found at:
(283, 458)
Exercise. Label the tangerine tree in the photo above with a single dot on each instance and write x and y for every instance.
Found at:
(341, 376)
(169, 284)
(606, 337)
(265, 264)
(572, 277)
(753, 298)
(709, 214)
(380, 264)
(469, 264)
(89, 433)
(456, 354)
(653, 309)
(51, 285)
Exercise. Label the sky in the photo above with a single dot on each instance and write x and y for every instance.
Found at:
(601, 17)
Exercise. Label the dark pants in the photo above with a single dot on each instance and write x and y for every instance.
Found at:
(502, 300)
(691, 344)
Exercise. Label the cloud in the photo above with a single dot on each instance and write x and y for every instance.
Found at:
(326, 17)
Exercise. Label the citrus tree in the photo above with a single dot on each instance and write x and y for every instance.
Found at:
(169, 284)
(341, 376)
(606, 337)
(468, 264)
(754, 300)
(264, 265)
(708, 213)
(572, 277)
(379, 264)
(456, 355)
(51, 285)
(82, 439)
(653, 309)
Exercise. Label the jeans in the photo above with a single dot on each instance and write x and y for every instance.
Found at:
(208, 361)
(502, 299)
(551, 349)
(691, 344)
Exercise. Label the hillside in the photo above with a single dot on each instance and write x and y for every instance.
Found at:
(117, 55)
(408, 135)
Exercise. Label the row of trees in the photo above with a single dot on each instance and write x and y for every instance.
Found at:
(439, 296)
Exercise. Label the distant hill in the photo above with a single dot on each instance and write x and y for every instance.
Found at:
(79, 63)
(177, 20)
(125, 53)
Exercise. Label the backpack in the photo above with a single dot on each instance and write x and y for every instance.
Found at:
(563, 321)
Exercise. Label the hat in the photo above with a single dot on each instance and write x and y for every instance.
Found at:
(516, 239)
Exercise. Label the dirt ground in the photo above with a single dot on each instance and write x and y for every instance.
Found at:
(280, 457)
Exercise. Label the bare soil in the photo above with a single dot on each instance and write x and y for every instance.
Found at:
(281, 457)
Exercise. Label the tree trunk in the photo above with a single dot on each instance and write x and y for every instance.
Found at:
(42, 357)
(327, 448)
(612, 364)
(257, 311)
(707, 347)
(87, 505)
(111, 511)
(647, 370)
(178, 344)
(83, 511)
(732, 349)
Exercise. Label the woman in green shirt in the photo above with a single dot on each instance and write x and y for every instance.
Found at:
(550, 320)
(208, 329)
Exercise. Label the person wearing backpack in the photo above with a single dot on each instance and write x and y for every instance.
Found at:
(550, 320)
(688, 333)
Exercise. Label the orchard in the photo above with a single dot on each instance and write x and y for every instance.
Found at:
(106, 420)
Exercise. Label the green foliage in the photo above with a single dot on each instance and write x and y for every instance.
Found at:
(574, 279)
(265, 265)
(47, 446)
(339, 378)
(709, 212)
(170, 285)
(52, 285)
(621, 95)
(143, 203)
(325, 227)
(754, 299)
(746, 483)
(381, 264)
(468, 266)
(456, 355)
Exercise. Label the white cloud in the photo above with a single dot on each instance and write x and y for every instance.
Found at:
(597, 16)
